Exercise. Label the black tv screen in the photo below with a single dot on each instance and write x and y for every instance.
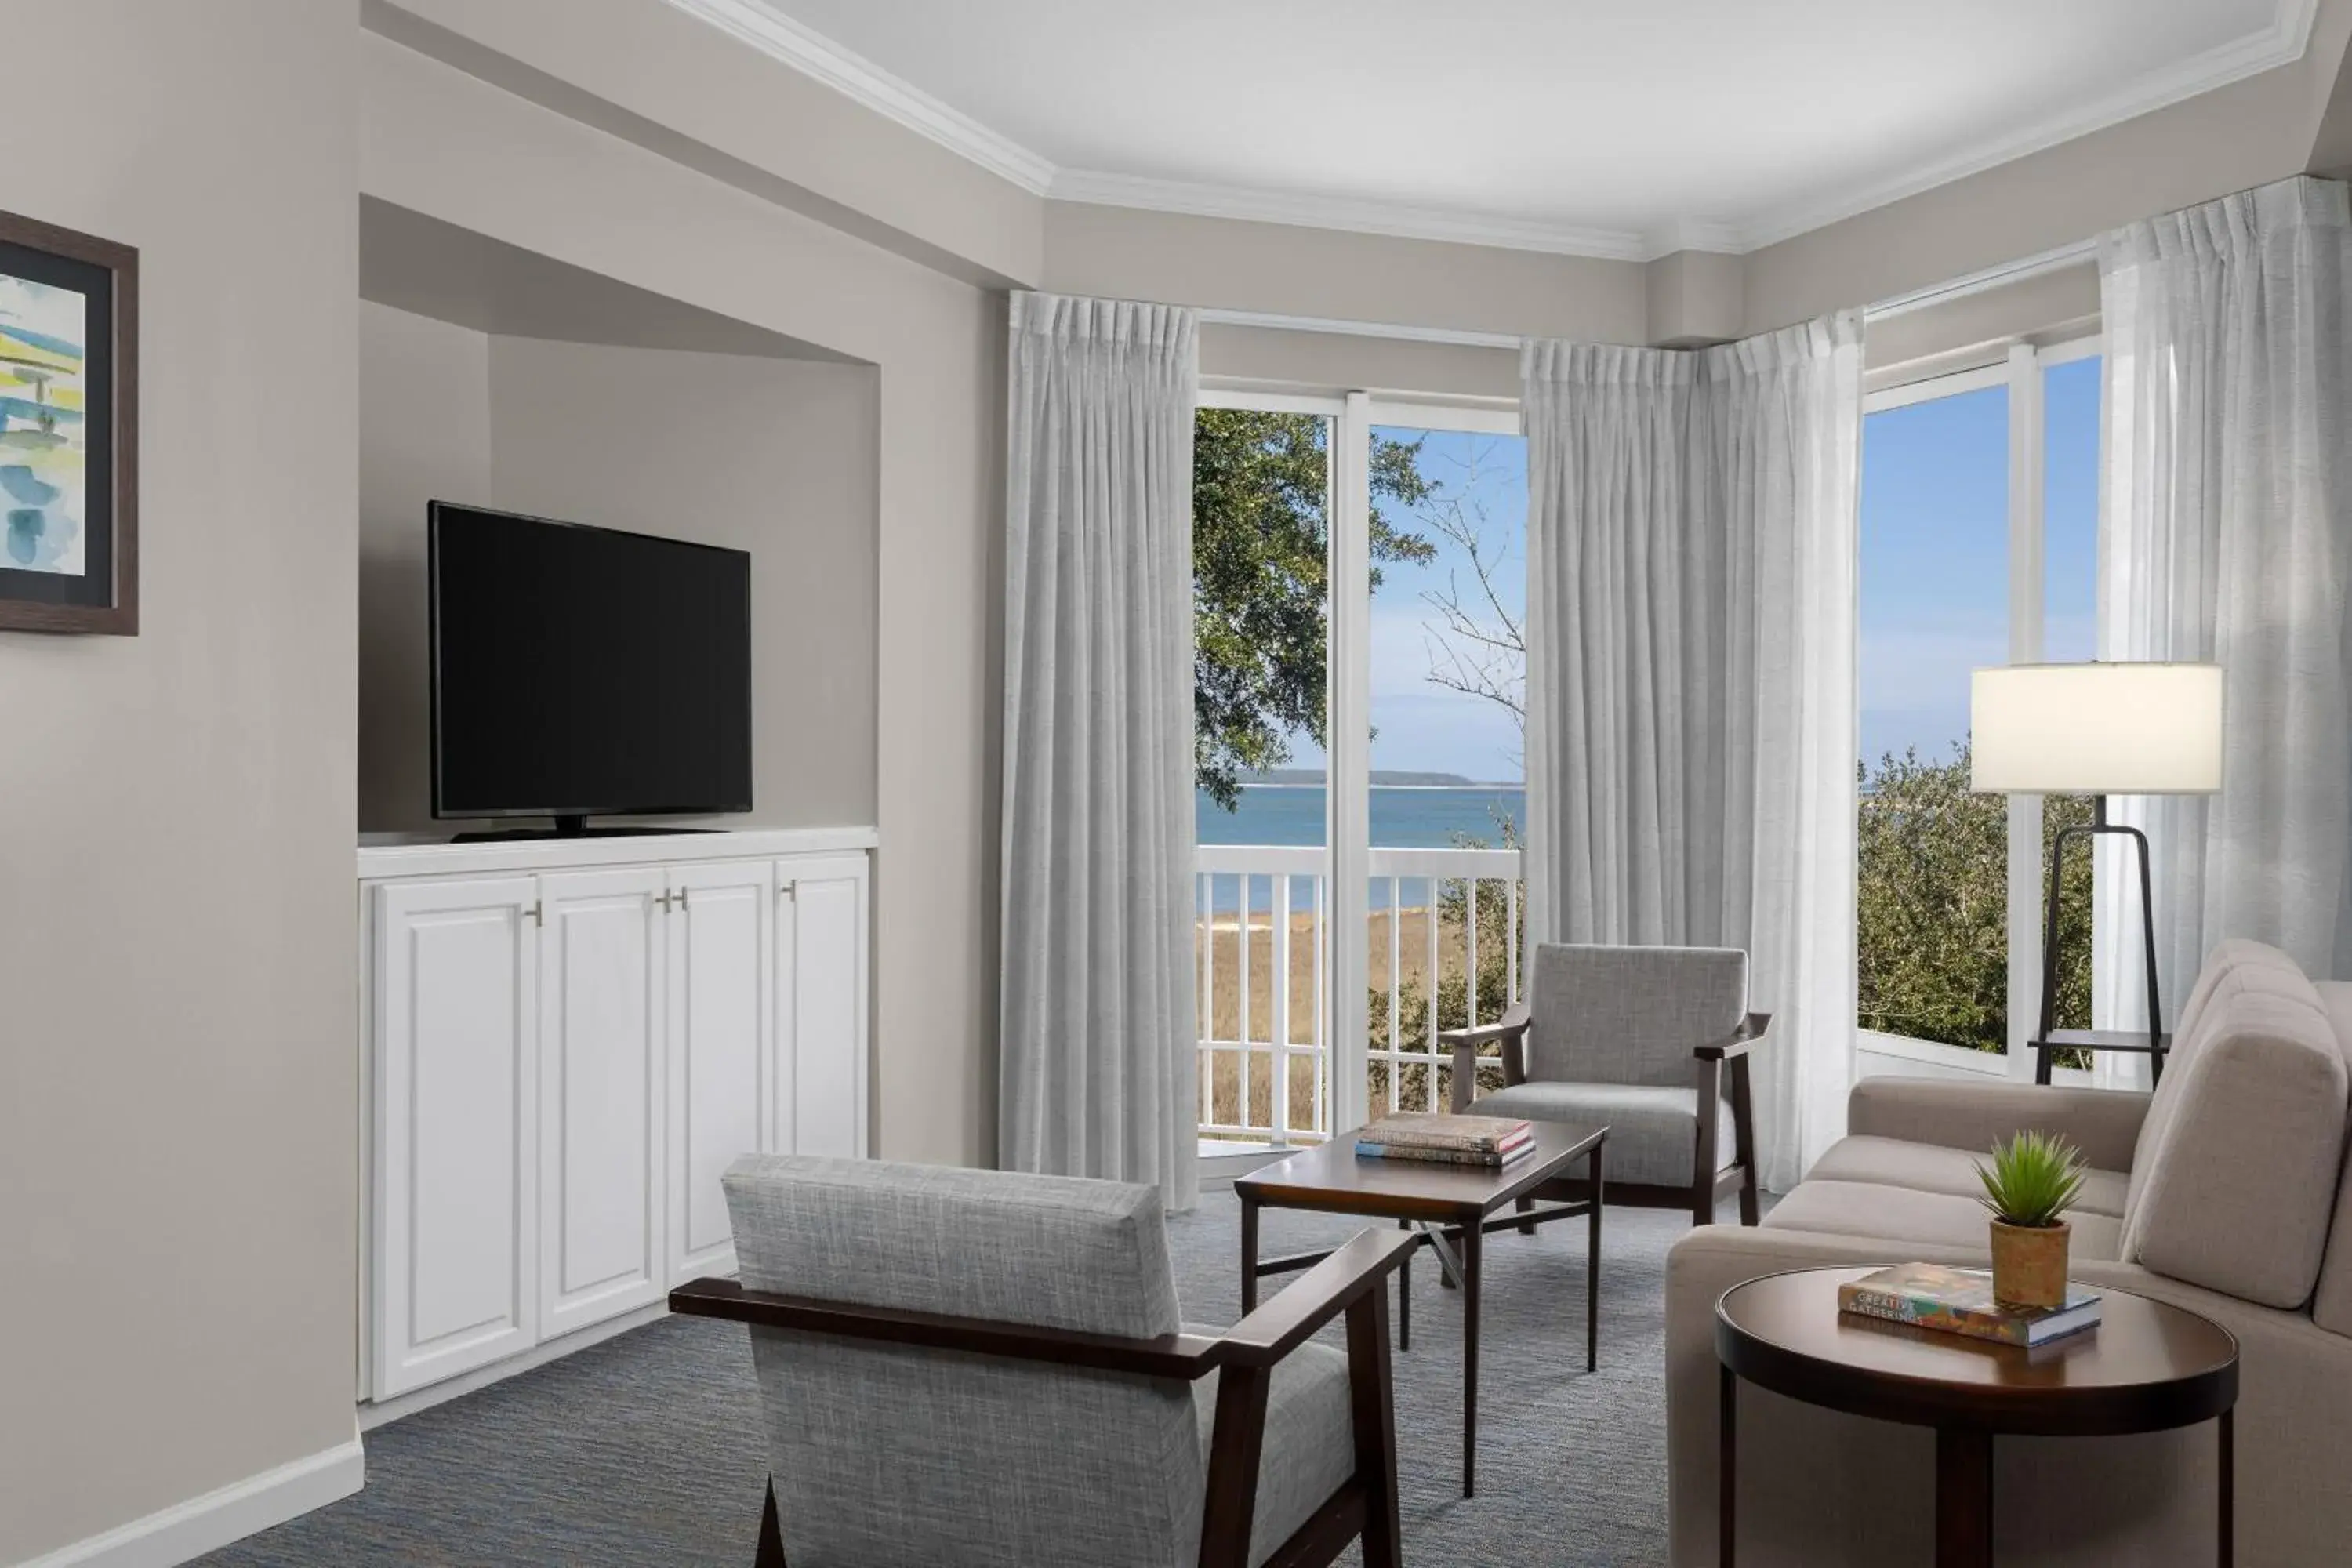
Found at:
(582, 671)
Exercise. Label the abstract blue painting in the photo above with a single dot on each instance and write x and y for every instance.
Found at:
(44, 452)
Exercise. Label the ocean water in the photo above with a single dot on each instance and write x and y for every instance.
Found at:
(1404, 817)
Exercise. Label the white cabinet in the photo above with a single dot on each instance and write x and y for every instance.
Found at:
(723, 1058)
(566, 1046)
(602, 1084)
(455, 1128)
(820, 1007)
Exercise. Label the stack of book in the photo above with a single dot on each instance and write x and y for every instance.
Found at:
(1490, 1140)
(1960, 1301)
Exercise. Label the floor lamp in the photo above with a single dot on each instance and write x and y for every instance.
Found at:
(2096, 729)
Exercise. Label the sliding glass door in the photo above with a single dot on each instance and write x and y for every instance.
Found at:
(1359, 598)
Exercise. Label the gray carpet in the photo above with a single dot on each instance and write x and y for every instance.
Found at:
(645, 1450)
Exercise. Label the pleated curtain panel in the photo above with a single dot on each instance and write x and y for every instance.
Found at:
(1691, 678)
(1097, 1019)
(2226, 535)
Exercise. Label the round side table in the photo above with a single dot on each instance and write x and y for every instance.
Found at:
(2148, 1366)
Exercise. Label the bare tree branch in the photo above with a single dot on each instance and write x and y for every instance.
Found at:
(1477, 646)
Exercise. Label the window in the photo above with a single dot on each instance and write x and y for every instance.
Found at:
(1979, 547)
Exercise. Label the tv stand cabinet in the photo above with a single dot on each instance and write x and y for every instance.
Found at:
(563, 1043)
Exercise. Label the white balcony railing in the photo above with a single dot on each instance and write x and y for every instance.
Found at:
(1262, 941)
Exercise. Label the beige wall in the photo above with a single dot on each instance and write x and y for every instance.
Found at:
(447, 143)
(424, 435)
(177, 976)
(649, 71)
(771, 456)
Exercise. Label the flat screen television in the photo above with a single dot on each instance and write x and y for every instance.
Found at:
(584, 671)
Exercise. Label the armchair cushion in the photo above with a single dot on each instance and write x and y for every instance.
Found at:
(1652, 1130)
(879, 1451)
(1931, 1168)
(1310, 1440)
(1631, 1014)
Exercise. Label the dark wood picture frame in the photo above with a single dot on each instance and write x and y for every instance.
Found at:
(110, 607)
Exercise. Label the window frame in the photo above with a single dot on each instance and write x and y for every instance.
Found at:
(2021, 370)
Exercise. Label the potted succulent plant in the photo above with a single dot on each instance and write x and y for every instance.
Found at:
(2032, 1182)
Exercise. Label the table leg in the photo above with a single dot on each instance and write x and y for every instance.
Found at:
(1963, 1499)
(1249, 1255)
(1404, 1295)
(2228, 1546)
(1727, 1469)
(1593, 1271)
(1472, 1245)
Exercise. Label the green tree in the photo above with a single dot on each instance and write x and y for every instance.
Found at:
(1260, 582)
(1932, 882)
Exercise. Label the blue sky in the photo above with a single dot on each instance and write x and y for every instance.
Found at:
(1935, 552)
(1933, 576)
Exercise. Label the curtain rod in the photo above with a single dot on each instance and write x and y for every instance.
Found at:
(1985, 279)
(1278, 322)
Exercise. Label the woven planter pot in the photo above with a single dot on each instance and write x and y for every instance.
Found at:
(2029, 1264)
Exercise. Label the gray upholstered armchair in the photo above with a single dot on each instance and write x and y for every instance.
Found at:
(975, 1369)
(1652, 1041)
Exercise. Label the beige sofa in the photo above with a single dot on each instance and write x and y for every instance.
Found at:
(2225, 1192)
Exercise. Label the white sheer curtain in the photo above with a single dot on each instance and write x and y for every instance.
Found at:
(1691, 625)
(2227, 533)
(1097, 1035)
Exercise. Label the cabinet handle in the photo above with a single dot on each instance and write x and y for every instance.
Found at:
(785, 891)
(681, 898)
(534, 912)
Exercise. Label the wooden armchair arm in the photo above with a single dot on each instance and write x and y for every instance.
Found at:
(1740, 1041)
(1293, 1315)
(1510, 1029)
(1184, 1356)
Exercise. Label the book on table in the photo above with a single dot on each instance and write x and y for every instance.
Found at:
(1447, 1139)
(1960, 1301)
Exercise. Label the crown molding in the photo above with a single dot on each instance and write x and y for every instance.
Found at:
(759, 25)
(777, 35)
(2283, 42)
(1398, 219)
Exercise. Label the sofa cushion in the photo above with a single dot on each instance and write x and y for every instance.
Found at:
(1906, 1217)
(2234, 1184)
(1931, 1168)
(2331, 1297)
(1629, 1015)
(1652, 1130)
(1310, 1449)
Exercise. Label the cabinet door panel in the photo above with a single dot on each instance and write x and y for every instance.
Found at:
(456, 1161)
(721, 1059)
(821, 998)
(602, 1079)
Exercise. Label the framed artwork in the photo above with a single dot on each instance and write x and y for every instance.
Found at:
(68, 431)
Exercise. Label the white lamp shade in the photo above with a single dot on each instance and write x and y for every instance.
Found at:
(2096, 729)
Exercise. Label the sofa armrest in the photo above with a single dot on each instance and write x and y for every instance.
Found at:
(2103, 1124)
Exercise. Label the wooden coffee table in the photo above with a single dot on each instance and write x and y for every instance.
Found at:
(1451, 1205)
(2148, 1366)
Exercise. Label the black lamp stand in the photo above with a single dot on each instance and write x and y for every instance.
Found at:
(2046, 1039)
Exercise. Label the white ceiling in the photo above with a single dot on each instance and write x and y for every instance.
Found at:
(1601, 127)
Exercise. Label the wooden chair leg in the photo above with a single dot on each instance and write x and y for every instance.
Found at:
(1743, 1134)
(1703, 1160)
(770, 1553)
(1236, 1440)
(1372, 1406)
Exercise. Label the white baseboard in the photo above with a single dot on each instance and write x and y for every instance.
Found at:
(377, 1412)
(189, 1530)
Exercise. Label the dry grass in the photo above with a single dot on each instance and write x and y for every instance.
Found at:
(1221, 942)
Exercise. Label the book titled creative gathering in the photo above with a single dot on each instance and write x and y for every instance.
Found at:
(1491, 1142)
